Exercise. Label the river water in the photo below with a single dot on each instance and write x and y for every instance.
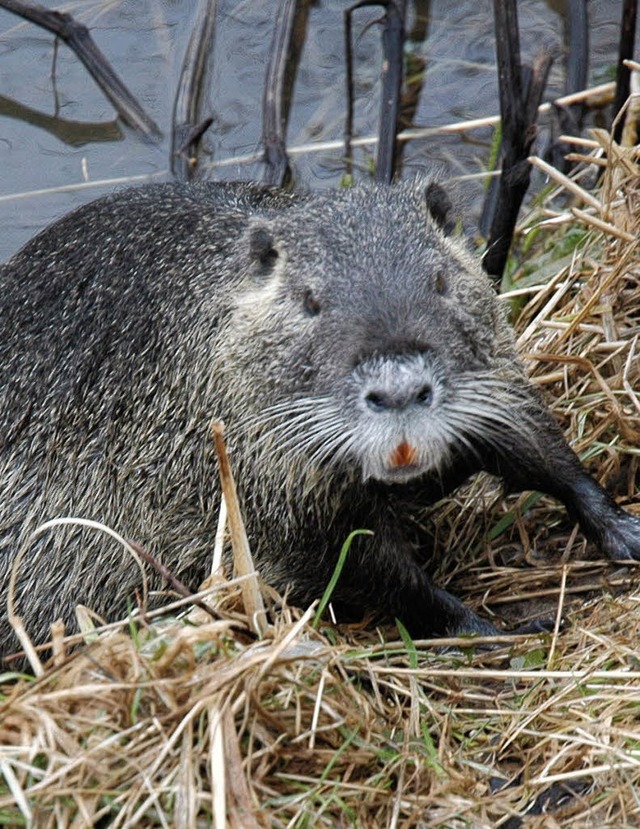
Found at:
(61, 145)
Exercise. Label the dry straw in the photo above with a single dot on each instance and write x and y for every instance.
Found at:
(195, 721)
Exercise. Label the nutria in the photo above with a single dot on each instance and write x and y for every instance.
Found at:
(359, 357)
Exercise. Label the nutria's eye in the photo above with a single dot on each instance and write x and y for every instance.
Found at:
(311, 305)
(441, 284)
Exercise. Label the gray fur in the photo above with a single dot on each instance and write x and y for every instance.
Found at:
(326, 330)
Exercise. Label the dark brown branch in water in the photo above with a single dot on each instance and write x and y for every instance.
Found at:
(78, 39)
(348, 59)
(188, 123)
(519, 115)
(493, 192)
(576, 72)
(275, 104)
(625, 52)
(348, 55)
(414, 74)
(73, 133)
(393, 37)
(577, 46)
(193, 137)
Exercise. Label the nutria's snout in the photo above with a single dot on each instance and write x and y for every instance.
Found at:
(397, 384)
(399, 402)
(380, 400)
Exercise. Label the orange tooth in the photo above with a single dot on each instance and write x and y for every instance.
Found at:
(403, 455)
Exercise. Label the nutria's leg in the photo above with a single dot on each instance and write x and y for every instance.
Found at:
(381, 572)
(615, 532)
(450, 617)
(554, 468)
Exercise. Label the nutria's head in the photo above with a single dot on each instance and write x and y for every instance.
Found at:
(363, 336)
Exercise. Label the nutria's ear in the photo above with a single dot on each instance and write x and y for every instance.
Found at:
(262, 248)
(439, 206)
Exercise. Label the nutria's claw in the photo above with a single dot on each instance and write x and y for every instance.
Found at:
(621, 539)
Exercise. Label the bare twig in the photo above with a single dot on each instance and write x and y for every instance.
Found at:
(174, 582)
(348, 59)
(277, 90)
(73, 133)
(188, 123)
(519, 111)
(393, 36)
(577, 47)
(77, 37)
(254, 605)
(625, 51)
(577, 66)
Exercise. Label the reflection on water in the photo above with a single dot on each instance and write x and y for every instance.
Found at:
(62, 133)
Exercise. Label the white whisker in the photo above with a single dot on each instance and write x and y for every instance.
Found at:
(310, 430)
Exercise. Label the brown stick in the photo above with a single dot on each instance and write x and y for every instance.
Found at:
(254, 606)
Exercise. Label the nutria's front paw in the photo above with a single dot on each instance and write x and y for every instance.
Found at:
(546, 624)
(621, 539)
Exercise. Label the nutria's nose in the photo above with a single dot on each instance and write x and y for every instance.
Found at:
(380, 400)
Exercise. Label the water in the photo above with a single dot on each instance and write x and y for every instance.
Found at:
(60, 144)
